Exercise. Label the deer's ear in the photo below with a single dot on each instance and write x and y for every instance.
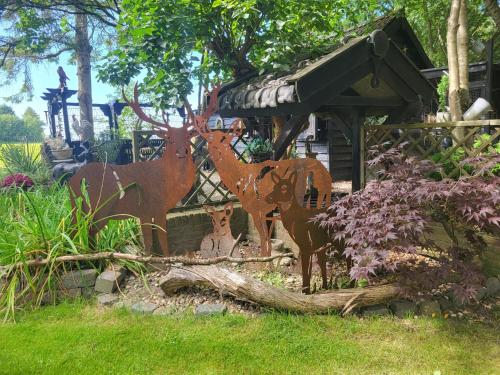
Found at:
(193, 133)
(229, 208)
(160, 133)
(293, 178)
(210, 210)
(276, 179)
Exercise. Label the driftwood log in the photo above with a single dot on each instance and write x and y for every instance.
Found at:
(250, 289)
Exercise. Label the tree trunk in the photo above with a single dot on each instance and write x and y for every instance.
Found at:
(453, 67)
(83, 50)
(245, 287)
(463, 55)
(493, 9)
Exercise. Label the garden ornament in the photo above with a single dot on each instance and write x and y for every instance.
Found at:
(251, 183)
(309, 236)
(221, 241)
(145, 190)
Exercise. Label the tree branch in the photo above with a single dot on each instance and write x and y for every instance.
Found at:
(141, 259)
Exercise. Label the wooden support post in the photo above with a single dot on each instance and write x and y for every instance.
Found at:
(357, 161)
(288, 133)
(135, 146)
(67, 131)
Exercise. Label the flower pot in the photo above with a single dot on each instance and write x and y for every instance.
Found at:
(258, 158)
(63, 154)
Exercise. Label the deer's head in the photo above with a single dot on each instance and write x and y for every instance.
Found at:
(219, 142)
(283, 190)
(221, 219)
(176, 139)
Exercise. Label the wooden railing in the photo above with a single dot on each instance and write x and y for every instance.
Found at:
(446, 143)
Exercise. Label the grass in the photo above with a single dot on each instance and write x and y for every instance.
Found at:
(38, 223)
(81, 339)
(30, 148)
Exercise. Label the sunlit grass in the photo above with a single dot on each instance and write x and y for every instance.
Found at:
(81, 339)
(38, 224)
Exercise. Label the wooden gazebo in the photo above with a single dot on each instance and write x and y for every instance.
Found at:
(377, 73)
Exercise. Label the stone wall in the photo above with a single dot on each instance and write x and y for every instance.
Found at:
(186, 229)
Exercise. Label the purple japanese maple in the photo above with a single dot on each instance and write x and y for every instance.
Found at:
(392, 216)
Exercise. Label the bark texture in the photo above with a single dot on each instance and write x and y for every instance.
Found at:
(83, 50)
(247, 288)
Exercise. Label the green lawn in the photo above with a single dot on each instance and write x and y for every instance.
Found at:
(80, 339)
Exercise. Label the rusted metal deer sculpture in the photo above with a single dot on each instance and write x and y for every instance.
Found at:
(296, 219)
(221, 241)
(252, 182)
(146, 190)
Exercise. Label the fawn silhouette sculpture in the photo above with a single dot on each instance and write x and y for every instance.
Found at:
(310, 238)
(221, 241)
(145, 190)
(252, 182)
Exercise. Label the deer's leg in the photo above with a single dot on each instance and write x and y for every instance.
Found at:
(161, 233)
(265, 242)
(147, 237)
(321, 256)
(306, 272)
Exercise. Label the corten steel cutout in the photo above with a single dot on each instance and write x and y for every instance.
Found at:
(221, 241)
(146, 190)
(251, 183)
(296, 220)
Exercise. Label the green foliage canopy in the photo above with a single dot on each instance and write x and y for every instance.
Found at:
(176, 41)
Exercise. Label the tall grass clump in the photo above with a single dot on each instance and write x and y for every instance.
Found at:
(38, 224)
(25, 159)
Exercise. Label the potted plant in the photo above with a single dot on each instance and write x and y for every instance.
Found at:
(259, 149)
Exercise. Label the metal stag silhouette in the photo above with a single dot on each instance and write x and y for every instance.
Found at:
(146, 190)
(252, 182)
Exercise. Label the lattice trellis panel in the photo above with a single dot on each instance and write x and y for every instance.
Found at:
(208, 188)
(446, 143)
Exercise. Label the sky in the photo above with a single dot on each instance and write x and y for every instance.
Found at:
(45, 75)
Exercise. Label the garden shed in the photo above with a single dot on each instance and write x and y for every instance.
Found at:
(374, 72)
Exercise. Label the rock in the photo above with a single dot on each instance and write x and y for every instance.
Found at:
(78, 279)
(109, 280)
(87, 292)
(280, 261)
(376, 310)
(107, 299)
(429, 308)
(277, 245)
(455, 301)
(69, 293)
(49, 298)
(210, 309)
(403, 308)
(145, 308)
(492, 287)
(445, 303)
(481, 294)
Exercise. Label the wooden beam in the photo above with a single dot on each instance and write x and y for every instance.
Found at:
(364, 101)
(340, 121)
(288, 133)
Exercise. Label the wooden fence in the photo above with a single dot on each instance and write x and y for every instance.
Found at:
(208, 188)
(445, 143)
